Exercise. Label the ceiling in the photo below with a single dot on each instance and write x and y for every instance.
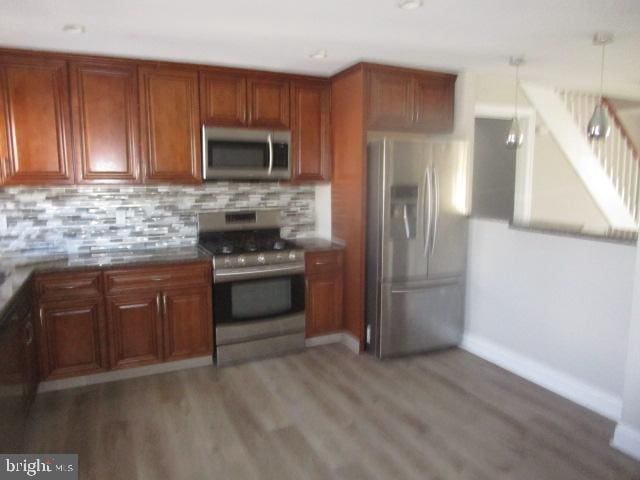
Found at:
(474, 35)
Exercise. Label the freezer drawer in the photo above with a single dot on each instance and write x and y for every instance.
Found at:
(420, 317)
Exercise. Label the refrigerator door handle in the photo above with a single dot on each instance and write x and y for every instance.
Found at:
(405, 217)
(436, 201)
(427, 209)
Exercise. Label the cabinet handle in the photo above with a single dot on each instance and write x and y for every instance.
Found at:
(158, 308)
(41, 315)
(164, 304)
(159, 278)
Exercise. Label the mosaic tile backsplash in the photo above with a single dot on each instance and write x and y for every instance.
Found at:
(35, 221)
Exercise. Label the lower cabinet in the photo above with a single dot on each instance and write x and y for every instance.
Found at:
(73, 338)
(187, 322)
(324, 292)
(135, 329)
(94, 321)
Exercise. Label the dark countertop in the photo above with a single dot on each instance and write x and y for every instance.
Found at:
(318, 244)
(16, 271)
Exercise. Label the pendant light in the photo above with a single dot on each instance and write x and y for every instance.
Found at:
(515, 135)
(598, 127)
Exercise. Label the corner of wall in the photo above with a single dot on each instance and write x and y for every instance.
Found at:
(323, 210)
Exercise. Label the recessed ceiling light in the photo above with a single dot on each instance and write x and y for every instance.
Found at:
(409, 4)
(73, 28)
(318, 54)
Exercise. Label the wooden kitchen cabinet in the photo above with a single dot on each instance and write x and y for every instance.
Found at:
(35, 120)
(135, 329)
(159, 313)
(223, 98)
(410, 100)
(391, 99)
(105, 115)
(268, 101)
(310, 129)
(324, 295)
(170, 124)
(72, 338)
(188, 329)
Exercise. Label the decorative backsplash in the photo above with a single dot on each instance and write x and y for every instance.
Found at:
(36, 220)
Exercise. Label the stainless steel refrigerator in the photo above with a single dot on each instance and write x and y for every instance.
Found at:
(416, 244)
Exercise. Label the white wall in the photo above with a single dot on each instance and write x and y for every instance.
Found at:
(551, 308)
(627, 434)
(323, 210)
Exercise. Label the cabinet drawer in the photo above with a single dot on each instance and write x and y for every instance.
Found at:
(124, 280)
(52, 286)
(321, 262)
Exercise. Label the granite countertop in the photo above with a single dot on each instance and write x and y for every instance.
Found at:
(16, 271)
(318, 244)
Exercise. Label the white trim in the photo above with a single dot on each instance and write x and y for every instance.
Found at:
(524, 156)
(323, 340)
(345, 338)
(627, 440)
(351, 342)
(115, 375)
(557, 381)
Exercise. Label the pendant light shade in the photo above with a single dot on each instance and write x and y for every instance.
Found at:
(598, 127)
(515, 136)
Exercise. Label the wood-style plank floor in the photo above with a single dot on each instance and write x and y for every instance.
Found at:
(327, 413)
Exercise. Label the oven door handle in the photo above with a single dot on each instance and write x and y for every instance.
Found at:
(232, 274)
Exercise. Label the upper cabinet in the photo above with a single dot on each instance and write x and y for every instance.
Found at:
(223, 98)
(310, 129)
(104, 100)
(410, 100)
(34, 120)
(268, 99)
(229, 98)
(170, 124)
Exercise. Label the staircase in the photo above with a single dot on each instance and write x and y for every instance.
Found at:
(609, 169)
(616, 153)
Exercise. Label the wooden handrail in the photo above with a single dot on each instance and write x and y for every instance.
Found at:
(616, 119)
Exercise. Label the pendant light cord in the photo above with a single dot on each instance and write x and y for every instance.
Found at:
(602, 71)
(516, 92)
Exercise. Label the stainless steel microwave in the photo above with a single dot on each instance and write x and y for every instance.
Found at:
(244, 154)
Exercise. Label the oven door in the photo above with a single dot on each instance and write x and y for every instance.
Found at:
(258, 299)
(245, 154)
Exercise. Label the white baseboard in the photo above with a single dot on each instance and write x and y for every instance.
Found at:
(345, 338)
(115, 375)
(558, 382)
(627, 440)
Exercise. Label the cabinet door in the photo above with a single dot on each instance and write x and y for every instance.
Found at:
(434, 100)
(390, 104)
(324, 303)
(170, 125)
(188, 324)
(105, 120)
(223, 99)
(11, 399)
(310, 125)
(73, 340)
(135, 329)
(268, 99)
(36, 120)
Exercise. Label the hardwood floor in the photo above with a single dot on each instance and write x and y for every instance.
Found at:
(327, 413)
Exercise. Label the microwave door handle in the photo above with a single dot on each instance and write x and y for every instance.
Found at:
(204, 152)
(270, 141)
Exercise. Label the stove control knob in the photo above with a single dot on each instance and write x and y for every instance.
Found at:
(292, 256)
(241, 260)
(261, 258)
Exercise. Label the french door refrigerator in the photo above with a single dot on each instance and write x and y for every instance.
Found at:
(416, 245)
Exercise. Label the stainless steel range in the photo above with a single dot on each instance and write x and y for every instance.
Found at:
(259, 285)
